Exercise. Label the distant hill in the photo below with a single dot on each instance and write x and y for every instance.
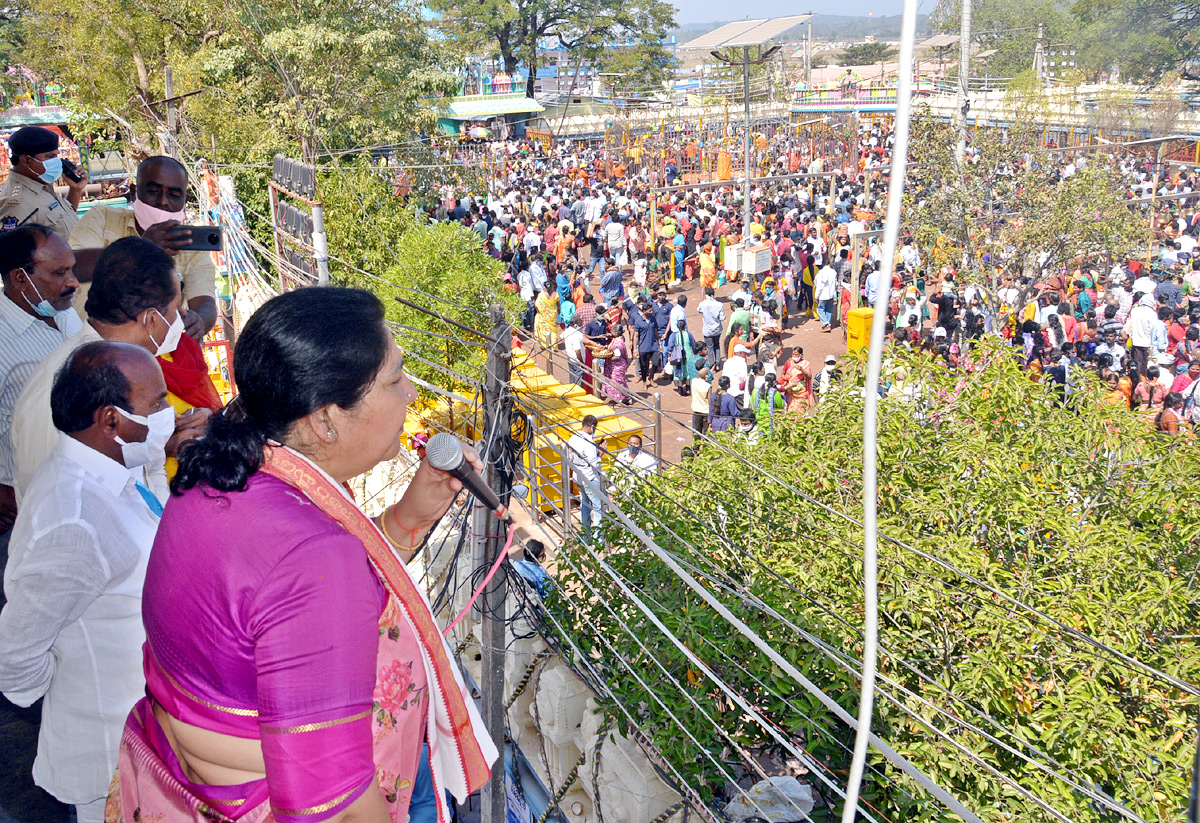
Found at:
(828, 27)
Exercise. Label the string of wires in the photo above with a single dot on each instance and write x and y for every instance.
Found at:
(850, 665)
(1078, 783)
(1026, 610)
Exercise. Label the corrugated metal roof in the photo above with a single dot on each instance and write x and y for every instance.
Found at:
(745, 32)
(939, 41)
(491, 105)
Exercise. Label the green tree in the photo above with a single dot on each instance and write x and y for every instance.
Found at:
(313, 76)
(1011, 28)
(995, 490)
(866, 54)
(513, 29)
(643, 64)
(1147, 39)
(377, 242)
(1004, 209)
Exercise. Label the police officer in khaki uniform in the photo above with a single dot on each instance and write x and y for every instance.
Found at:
(29, 194)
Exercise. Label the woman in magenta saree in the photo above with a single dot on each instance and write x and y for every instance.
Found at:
(294, 671)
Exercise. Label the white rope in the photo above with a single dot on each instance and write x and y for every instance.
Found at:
(871, 409)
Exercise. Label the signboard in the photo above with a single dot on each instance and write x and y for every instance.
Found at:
(300, 243)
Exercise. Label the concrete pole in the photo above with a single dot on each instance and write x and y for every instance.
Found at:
(746, 210)
(320, 245)
(808, 55)
(172, 113)
(964, 74)
(489, 536)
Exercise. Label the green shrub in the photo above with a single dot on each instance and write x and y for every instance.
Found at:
(1078, 511)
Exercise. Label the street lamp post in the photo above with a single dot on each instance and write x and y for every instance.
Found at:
(746, 62)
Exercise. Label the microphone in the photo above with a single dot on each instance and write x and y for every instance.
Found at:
(444, 452)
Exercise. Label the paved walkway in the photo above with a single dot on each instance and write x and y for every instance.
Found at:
(677, 432)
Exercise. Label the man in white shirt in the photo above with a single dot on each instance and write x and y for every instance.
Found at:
(585, 462)
(572, 337)
(633, 463)
(910, 255)
(71, 631)
(741, 294)
(823, 381)
(37, 267)
(525, 283)
(712, 321)
(873, 285)
(1145, 284)
(911, 311)
(1141, 323)
(138, 301)
(158, 210)
(593, 207)
(614, 237)
(825, 292)
(678, 313)
(738, 370)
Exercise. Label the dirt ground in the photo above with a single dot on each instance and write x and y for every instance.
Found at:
(677, 411)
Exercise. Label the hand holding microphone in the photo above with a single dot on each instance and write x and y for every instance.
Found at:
(427, 498)
(445, 453)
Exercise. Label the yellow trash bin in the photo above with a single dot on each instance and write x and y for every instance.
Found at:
(858, 330)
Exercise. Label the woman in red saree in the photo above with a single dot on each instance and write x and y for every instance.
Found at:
(795, 378)
(294, 671)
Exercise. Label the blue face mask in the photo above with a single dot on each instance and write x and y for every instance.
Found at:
(42, 307)
(53, 169)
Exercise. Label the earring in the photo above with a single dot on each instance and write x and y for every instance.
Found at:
(330, 435)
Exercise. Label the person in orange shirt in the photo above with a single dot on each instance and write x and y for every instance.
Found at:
(562, 245)
(1113, 397)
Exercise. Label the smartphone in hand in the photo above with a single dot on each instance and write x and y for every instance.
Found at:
(204, 238)
(70, 171)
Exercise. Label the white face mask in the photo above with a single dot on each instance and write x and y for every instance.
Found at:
(174, 333)
(161, 425)
(148, 216)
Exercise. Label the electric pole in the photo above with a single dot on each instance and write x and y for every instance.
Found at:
(747, 210)
(1039, 58)
(172, 113)
(808, 55)
(963, 103)
(489, 533)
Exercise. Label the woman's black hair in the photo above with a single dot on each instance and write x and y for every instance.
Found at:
(131, 275)
(301, 351)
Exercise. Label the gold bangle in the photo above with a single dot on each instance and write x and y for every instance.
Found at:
(381, 521)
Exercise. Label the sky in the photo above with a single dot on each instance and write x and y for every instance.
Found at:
(708, 11)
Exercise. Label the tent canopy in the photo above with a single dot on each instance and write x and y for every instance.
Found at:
(480, 106)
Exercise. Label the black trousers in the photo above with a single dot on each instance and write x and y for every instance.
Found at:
(699, 424)
(646, 365)
(1140, 355)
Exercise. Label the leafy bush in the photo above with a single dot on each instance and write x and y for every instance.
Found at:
(1077, 511)
(381, 245)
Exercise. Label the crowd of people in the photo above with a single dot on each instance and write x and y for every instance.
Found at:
(598, 259)
(192, 593)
